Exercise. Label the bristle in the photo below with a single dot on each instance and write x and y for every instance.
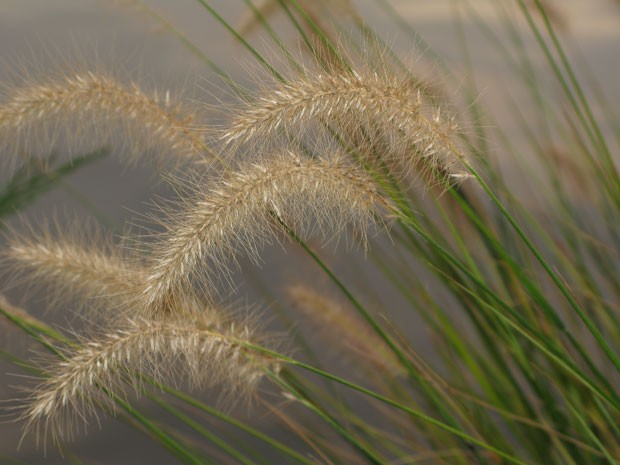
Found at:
(166, 351)
(357, 105)
(78, 263)
(86, 109)
(237, 213)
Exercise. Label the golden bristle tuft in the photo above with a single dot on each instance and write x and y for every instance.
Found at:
(77, 263)
(373, 107)
(168, 351)
(239, 213)
(87, 110)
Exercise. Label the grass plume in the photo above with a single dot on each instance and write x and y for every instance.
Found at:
(373, 102)
(236, 214)
(185, 349)
(75, 262)
(89, 109)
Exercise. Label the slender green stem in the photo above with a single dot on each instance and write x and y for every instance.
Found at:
(412, 412)
(580, 95)
(165, 439)
(279, 446)
(322, 35)
(523, 326)
(356, 303)
(240, 38)
(584, 424)
(201, 430)
(598, 140)
(573, 303)
(291, 59)
(328, 418)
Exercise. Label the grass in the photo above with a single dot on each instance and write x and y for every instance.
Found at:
(342, 139)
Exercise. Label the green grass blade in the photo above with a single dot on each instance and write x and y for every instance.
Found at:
(21, 191)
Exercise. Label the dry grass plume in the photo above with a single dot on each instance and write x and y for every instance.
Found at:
(86, 110)
(381, 109)
(238, 210)
(200, 350)
(77, 263)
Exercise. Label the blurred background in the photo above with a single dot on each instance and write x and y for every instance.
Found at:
(37, 35)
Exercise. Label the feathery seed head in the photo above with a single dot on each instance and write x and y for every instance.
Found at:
(363, 108)
(78, 262)
(237, 214)
(88, 110)
(166, 350)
